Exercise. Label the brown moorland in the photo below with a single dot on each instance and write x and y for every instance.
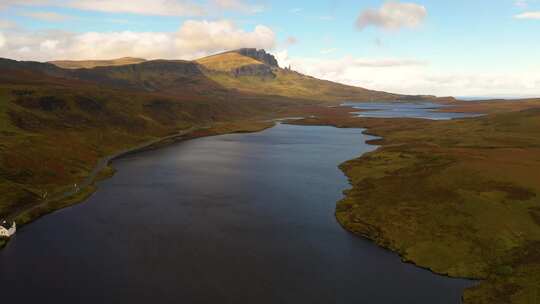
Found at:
(56, 124)
(88, 64)
(459, 197)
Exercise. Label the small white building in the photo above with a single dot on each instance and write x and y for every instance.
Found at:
(6, 230)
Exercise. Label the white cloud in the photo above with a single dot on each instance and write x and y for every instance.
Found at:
(282, 56)
(48, 45)
(118, 44)
(348, 62)
(237, 5)
(199, 38)
(338, 69)
(2, 40)
(7, 3)
(192, 40)
(411, 76)
(528, 15)
(291, 40)
(47, 16)
(144, 7)
(392, 16)
(328, 51)
(7, 24)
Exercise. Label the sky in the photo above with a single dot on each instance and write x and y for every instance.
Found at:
(460, 48)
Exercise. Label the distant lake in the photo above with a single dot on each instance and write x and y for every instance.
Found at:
(425, 110)
(240, 218)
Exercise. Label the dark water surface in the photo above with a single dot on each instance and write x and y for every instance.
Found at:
(242, 218)
(426, 110)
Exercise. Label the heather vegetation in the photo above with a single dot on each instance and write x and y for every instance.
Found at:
(56, 123)
(460, 197)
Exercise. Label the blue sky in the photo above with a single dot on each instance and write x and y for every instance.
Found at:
(438, 47)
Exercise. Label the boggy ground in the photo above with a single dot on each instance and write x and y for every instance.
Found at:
(460, 197)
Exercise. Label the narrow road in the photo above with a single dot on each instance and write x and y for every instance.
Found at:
(102, 163)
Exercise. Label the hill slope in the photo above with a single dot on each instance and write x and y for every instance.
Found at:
(88, 64)
(227, 62)
(56, 123)
(460, 197)
(256, 71)
(248, 71)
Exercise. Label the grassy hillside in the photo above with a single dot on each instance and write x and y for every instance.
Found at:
(56, 123)
(293, 84)
(234, 70)
(227, 72)
(223, 69)
(54, 127)
(88, 64)
(226, 62)
(459, 197)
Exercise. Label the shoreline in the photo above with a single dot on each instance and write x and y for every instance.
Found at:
(382, 243)
(418, 195)
(385, 243)
(101, 172)
(396, 137)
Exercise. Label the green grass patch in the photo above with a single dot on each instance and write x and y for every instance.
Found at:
(459, 197)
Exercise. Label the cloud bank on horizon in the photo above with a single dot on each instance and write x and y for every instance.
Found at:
(192, 40)
(416, 47)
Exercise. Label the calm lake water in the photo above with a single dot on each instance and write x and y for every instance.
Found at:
(425, 110)
(242, 218)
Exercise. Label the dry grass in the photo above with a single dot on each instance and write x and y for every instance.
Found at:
(459, 197)
(294, 85)
(492, 106)
(88, 64)
(226, 62)
(52, 137)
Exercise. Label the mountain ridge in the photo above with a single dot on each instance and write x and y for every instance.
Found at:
(48, 112)
(249, 71)
(86, 64)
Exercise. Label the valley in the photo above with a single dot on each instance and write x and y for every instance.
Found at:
(458, 197)
(57, 123)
